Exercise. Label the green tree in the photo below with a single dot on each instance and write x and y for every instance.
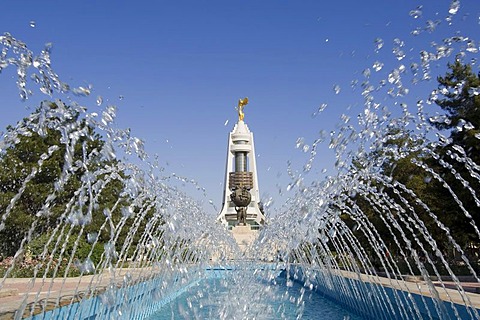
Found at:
(45, 169)
(432, 185)
(460, 99)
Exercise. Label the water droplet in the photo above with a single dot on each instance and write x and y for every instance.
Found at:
(320, 110)
(127, 212)
(378, 44)
(121, 97)
(416, 13)
(472, 47)
(469, 126)
(432, 25)
(107, 213)
(109, 115)
(127, 278)
(99, 101)
(110, 252)
(332, 232)
(440, 119)
(397, 51)
(81, 91)
(336, 89)
(33, 24)
(454, 6)
(226, 122)
(366, 73)
(300, 142)
(85, 267)
(377, 66)
(416, 32)
(394, 77)
(77, 218)
(92, 237)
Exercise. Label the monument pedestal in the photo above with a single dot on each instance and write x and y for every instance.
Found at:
(244, 236)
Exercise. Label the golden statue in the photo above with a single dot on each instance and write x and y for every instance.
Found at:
(241, 104)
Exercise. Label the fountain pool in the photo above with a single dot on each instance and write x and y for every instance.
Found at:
(281, 299)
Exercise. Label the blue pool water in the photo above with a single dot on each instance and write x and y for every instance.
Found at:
(224, 299)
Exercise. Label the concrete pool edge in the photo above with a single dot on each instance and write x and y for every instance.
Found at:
(118, 300)
(377, 297)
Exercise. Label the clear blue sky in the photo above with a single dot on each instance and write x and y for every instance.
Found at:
(181, 66)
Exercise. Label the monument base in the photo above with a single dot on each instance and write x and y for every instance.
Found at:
(244, 236)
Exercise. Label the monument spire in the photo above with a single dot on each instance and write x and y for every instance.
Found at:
(241, 209)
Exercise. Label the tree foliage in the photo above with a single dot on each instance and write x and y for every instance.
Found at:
(45, 172)
(460, 99)
(433, 185)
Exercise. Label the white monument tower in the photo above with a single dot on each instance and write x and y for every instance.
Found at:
(242, 212)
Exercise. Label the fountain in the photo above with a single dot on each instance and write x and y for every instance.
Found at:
(91, 227)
